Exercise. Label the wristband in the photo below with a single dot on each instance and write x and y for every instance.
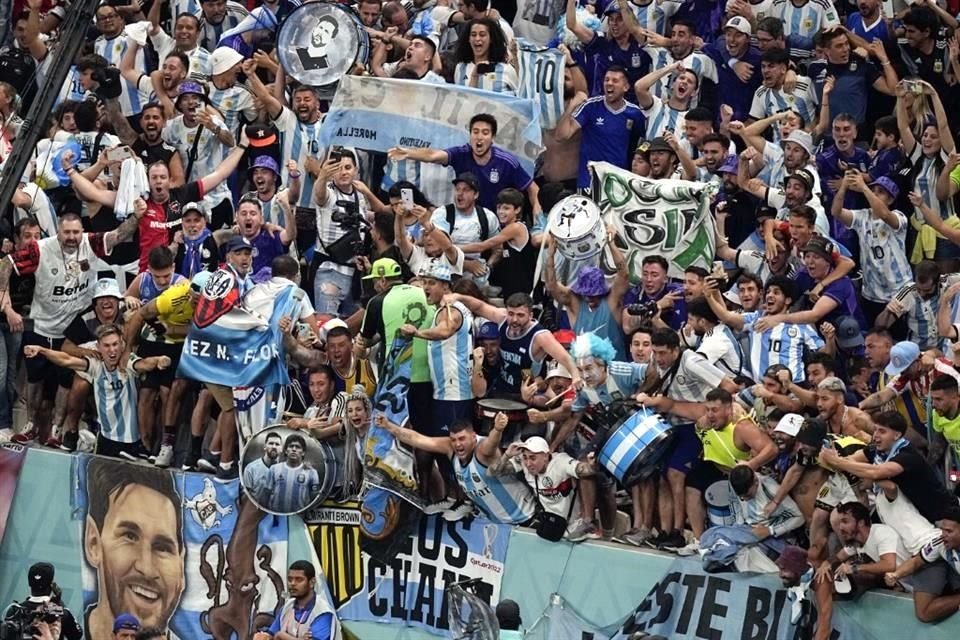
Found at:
(294, 175)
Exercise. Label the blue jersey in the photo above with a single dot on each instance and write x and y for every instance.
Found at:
(602, 53)
(149, 289)
(505, 499)
(607, 134)
(871, 32)
(623, 382)
(502, 170)
(292, 488)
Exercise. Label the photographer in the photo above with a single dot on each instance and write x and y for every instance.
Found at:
(340, 215)
(43, 611)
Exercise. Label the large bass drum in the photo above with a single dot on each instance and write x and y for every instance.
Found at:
(577, 226)
(634, 446)
(320, 42)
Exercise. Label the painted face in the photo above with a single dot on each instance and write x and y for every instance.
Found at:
(593, 371)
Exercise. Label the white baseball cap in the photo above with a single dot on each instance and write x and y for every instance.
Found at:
(739, 23)
(790, 424)
(107, 288)
(535, 444)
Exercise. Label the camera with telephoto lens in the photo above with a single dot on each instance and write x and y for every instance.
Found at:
(108, 83)
(20, 621)
(645, 310)
(348, 215)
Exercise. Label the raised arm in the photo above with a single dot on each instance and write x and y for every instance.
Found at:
(557, 290)
(727, 317)
(128, 63)
(584, 34)
(943, 125)
(568, 126)
(836, 207)
(433, 156)
(273, 105)
(58, 358)
(224, 170)
(416, 440)
(84, 188)
(478, 307)
(907, 138)
(642, 86)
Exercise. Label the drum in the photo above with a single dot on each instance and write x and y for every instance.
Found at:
(320, 42)
(717, 497)
(577, 226)
(635, 445)
(516, 412)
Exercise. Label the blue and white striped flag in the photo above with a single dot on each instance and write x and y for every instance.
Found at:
(541, 80)
(260, 18)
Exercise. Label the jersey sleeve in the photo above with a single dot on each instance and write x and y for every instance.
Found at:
(699, 367)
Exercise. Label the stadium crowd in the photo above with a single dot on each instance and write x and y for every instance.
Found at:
(807, 380)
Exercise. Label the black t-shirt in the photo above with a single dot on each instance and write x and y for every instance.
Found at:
(920, 483)
(150, 153)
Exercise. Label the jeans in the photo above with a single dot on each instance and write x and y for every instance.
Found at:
(9, 351)
(332, 292)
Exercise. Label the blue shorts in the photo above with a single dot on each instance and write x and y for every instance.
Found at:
(684, 450)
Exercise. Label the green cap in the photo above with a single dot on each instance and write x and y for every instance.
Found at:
(383, 268)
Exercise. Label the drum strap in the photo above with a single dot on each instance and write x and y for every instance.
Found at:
(573, 499)
(664, 386)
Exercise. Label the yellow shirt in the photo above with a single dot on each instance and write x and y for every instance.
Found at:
(719, 447)
(175, 307)
(950, 430)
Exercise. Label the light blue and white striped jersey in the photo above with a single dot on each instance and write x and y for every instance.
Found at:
(623, 382)
(784, 344)
(450, 368)
(653, 15)
(503, 78)
(292, 488)
(807, 19)
(922, 313)
(887, 269)
(504, 499)
(112, 50)
(210, 153)
(199, 57)
(803, 100)
(272, 211)
(660, 117)
(773, 171)
(541, 80)
(185, 6)
(926, 181)
(700, 63)
(231, 102)
(752, 512)
(722, 349)
(115, 395)
(298, 140)
(536, 20)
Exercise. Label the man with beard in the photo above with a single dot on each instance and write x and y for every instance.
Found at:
(667, 115)
(607, 122)
(494, 167)
(680, 49)
(277, 206)
(467, 222)
(772, 98)
(796, 574)
(739, 79)
(186, 40)
(126, 503)
(833, 162)
(64, 274)
(841, 420)
(417, 59)
(268, 244)
(165, 203)
(148, 144)
(794, 151)
(784, 343)
(112, 45)
(293, 484)
(218, 16)
(349, 370)
(434, 243)
(797, 191)
(619, 45)
(162, 85)
(868, 23)
(668, 160)
(256, 475)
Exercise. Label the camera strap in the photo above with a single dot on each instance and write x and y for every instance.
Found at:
(356, 200)
(192, 156)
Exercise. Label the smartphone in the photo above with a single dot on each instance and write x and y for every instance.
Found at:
(916, 87)
(336, 153)
(718, 271)
(406, 197)
(827, 443)
(119, 154)
(486, 67)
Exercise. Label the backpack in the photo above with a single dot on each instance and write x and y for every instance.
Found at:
(484, 223)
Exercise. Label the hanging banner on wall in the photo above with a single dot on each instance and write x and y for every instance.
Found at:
(688, 603)
(216, 564)
(11, 461)
(411, 588)
(670, 218)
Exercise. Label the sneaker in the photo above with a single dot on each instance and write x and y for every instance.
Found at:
(439, 506)
(190, 463)
(70, 441)
(29, 434)
(637, 536)
(583, 530)
(53, 440)
(226, 475)
(673, 541)
(6, 435)
(209, 463)
(165, 457)
(86, 441)
(692, 548)
(130, 456)
(458, 511)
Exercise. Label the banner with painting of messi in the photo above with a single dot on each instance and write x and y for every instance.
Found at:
(179, 551)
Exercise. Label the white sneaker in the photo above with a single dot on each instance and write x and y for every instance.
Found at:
(86, 441)
(692, 548)
(439, 506)
(458, 511)
(165, 457)
(5, 435)
(582, 530)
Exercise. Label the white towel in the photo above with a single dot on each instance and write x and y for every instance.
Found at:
(133, 183)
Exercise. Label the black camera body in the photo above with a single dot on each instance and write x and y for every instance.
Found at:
(347, 214)
(645, 310)
(108, 82)
(20, 621)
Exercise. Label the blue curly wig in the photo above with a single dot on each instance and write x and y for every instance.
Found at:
(590, 345)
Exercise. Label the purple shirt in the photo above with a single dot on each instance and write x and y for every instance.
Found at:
(674, 317)
(501, 171)
(842, 292)
(266, 247)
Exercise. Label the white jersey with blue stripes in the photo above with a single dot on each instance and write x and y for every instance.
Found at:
(115, 396)
(505, 499)
(232, 102)
(661, 118)
(450, 366)
(112, 50)
(722, 349)
(807, 19)
(503, 78)
(292, 488)
(887, 269)
(299, 140)
(802, 100)
(541, 80)
(784, 344)
(701, 64)
(653, 15)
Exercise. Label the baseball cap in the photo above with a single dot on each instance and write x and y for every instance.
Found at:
(902, 356)
(801, 138)
(819, 246)
(613, 7)
(40, 575)
(126, 621)
(199, 280)
(329, 325)
(489, 331)
(790, 424)
(849, 335)
(535, 444)
(557, 370)
(888, 185)
(437, 269)
(192, 206)
(803, 175)
(730, 165)
(223, 59)
(261, 135)
(107, 288)
(470, 180)
(383, 268)
(238, 243)
(739, 23)
(832, 383)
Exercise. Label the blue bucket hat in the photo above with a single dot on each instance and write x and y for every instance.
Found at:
(265, 162)
(187, 88)
(590, 282)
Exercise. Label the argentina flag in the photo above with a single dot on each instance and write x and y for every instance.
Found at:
(237, 342)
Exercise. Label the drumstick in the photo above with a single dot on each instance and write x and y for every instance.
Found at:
(552, 401)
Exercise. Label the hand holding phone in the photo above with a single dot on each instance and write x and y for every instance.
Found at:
(406, 198)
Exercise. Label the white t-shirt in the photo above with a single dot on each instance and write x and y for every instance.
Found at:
(914, 530)
(881, 541)
(466, 227)
(418, 257)
(556, 486)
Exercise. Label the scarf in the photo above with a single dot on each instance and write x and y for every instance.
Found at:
(192, 257)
